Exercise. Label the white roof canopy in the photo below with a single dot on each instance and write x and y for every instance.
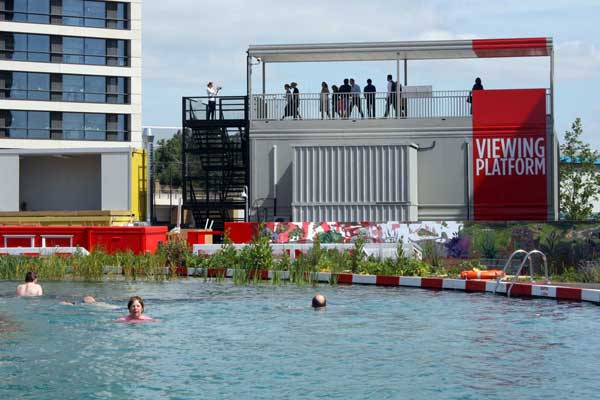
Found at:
(410, 50)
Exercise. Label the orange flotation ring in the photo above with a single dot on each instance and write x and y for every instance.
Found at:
(477, 274)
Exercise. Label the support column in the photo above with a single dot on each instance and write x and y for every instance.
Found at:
(397, 94)
(249, 104)
(264, 65)
(405, 72)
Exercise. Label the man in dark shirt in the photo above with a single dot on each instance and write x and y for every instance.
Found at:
(369, 92)
(345, 91)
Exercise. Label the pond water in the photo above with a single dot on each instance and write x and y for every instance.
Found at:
(220, 341)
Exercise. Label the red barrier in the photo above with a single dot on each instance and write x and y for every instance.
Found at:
(241, 232)
(139, 239)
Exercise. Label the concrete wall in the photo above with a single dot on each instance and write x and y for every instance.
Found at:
(9, 182)
(60, 183)
(116, 181)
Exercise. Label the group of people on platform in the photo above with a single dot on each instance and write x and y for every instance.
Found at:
(341, 101)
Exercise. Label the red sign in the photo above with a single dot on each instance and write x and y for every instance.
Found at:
(510, 155)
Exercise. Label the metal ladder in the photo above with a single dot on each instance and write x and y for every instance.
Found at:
(528, 256)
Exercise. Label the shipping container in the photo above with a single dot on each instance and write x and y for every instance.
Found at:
(355, 183)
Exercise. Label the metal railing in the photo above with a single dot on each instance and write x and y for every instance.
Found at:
(411, 105)
(225, 108)
(311, 106)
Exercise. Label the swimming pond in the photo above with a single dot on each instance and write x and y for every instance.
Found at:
(220, 341)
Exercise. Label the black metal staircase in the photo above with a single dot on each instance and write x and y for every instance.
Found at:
(215, 159)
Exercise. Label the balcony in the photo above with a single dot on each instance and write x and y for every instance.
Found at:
(413, 105)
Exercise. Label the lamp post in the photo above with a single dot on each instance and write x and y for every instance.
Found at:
(149, 142)
(244, 195)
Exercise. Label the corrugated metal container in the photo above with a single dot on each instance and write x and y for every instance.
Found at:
(355, 183)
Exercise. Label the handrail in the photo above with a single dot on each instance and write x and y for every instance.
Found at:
(528, 257)
(316, 106)
(507, 264)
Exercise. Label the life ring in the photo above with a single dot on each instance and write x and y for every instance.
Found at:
(477, 274)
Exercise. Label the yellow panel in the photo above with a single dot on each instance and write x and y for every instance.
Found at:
(139, 180)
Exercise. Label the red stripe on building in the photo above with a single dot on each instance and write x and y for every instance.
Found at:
(475, 286)
(432, 283)
(568, 293)
(387, 280)
(517, 47)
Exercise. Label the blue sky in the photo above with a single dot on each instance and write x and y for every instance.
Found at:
(189, 42)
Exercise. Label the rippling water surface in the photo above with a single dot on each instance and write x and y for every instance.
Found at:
(220, 341)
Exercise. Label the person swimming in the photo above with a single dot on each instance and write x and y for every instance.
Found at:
(89, 301)
(319, 301)
(30, 288)
(136, 311)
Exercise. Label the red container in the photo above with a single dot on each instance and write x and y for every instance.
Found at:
(241, 232)
(139, 239)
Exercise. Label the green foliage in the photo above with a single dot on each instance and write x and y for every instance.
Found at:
(579, 178)
(167, 159)
(431, 253)
(176, 251)
(358, 253)
(486, 245)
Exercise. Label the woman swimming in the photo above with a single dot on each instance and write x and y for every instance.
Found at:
(136, 311)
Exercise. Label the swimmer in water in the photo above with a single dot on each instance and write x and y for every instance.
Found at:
(319, 301)
(30, 288)
(89, 301)
(136, 311)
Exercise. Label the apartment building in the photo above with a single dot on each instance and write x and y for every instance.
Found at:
(70, 106)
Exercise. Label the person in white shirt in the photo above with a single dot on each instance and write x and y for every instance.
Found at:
(392, 88)
(356, 102)
(212, 92)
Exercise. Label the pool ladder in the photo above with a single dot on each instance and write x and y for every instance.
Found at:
(528, 257)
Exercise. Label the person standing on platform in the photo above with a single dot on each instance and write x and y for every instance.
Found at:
(370, 91)
(345, 91)
(356, 101)
(476, 86)
(324, 101)
(335, 101)
(296, 96)
(391, 100)
(212, 92)
(289, 102)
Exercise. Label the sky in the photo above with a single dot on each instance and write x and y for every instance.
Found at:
(187, 43)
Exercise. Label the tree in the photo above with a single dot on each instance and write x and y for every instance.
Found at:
(167, 160)
(579, 178)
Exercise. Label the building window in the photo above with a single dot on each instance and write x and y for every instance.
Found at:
(65, 49)
(38, 86)
(38, 125)
(73, 88)
(91, 13)
(72, 126)
(64, 87)
(65, 126)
